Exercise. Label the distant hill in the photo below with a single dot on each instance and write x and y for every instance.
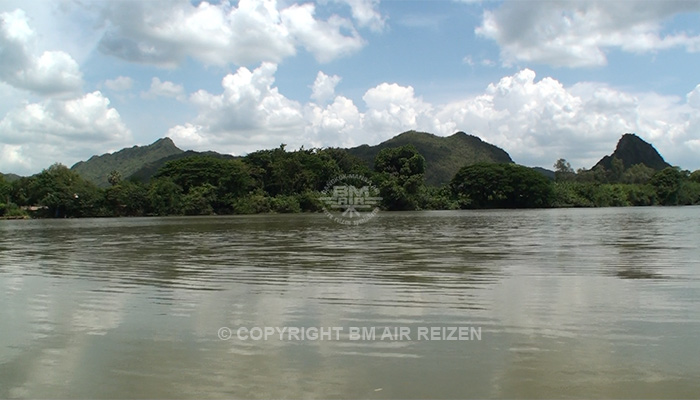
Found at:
(10, 177)
(444, 156)
(632, 150)
(127, 161)
(544, 171)
(146, 172)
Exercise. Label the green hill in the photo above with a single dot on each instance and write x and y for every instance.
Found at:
(126, 161)
(10, 177)
(444, 156)
(544, 171)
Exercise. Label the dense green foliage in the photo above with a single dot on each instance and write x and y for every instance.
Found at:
(400, 177)
(6, 207)
(59, 192)
(4, 187)
(148, 170)
(637, 185)
(283, 181)
(488, 185)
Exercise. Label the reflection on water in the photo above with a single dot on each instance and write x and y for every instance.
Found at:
(571, 303)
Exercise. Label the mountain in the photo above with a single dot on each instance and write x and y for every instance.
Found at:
(126, 161)
(632, 150)
(146, 172)
(444, 156)
(10, 177)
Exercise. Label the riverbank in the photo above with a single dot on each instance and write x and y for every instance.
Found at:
(13, 217)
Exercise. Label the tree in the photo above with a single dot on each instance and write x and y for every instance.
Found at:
(280, 172)
(127, 199)
(199, 200)
(21, 191)
(114, 177)
(695, 176)
(400, 177)
(404, 161)
(347, 163)
(488, 185)
(64, 193)
(563, 170)
(5, 189)
(637, 174)
(617, 168)
(4, 195)
(195, 171)
(224, 180)
(165, 197)
(667, 183)
(235, 183)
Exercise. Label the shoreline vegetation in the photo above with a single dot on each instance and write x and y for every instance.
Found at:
(281, 181)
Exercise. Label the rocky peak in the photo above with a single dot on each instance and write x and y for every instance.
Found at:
(632, 150)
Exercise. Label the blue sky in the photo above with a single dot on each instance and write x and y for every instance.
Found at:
(542, 80)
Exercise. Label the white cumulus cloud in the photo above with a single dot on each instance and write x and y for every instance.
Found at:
(39, 134)
(324, 39)
(366, 13)
(578, 33)
(165, 89)
(536, 121)
(48, 73)
(540, 121)
(248, 115)
(694, 97)
(167, 32)
(392, 108)
(119, 84)
(323, 88)
(339, 124)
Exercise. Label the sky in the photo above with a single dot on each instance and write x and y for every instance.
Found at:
(541, 79)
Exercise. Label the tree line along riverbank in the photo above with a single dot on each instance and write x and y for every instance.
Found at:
(284, 181)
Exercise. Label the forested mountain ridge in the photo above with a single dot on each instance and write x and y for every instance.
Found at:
(282, 181)
(10, 177)
(126, 161)
(444, 156)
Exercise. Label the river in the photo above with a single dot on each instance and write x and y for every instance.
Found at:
(561, 303)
